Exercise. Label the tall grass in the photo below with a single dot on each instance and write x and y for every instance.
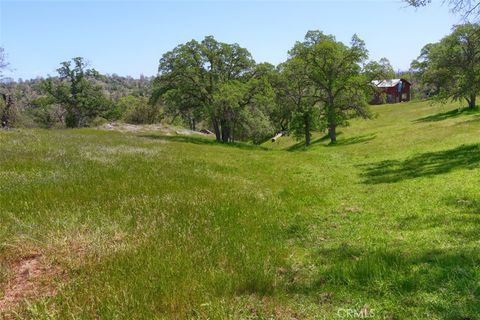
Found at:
(150, 226)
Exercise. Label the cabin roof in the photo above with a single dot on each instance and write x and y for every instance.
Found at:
(388, 83)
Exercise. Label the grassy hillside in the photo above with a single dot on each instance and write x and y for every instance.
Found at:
(384, 224)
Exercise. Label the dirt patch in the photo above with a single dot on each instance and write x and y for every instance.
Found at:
(30, 277)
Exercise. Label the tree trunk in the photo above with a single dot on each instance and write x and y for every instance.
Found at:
(332, 122)
(332, 133)
(225, 131)
(192, 124)
(216, 128)
(472, 101)
(308, 134)
(72, 119)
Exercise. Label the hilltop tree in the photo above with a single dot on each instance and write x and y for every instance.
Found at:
(453, 64)
(209, 80)
(76, 92)
(336, 75)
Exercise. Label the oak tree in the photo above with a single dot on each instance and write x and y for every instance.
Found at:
(453, 64)
(336, 75)
(76, 91)
(212, 81)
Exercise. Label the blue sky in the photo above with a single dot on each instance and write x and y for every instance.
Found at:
(129, 37)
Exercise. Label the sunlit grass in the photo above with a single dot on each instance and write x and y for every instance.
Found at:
(153, 226)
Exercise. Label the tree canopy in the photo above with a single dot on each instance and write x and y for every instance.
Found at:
(321, 85)
(381, 69)
(452, 65)
(76, 92)
(335, 72)
(218, 86)
(212, 81)
(296, 100)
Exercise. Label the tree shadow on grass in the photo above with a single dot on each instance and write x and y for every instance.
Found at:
(203, 141)
(473, 120)
(300, 146)
(402, 275)
(353, 140)
(342, 142)
(423, 165)
(449, 114)
(466, 216)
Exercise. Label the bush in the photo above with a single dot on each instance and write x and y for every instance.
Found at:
(137, 110)
(46, 114)
(98, 121)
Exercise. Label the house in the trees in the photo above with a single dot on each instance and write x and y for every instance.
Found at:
(391, 91)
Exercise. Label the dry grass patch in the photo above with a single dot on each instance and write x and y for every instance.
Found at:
(29, 277)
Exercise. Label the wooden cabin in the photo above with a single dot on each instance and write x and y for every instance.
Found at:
(391, 91)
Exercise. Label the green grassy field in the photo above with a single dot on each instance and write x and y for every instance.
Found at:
(384, 224)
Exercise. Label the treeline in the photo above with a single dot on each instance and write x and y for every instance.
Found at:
(322, 85)
(77, 97)
(211, 85)
(218, 86)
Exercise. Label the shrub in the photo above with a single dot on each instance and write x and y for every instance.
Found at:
(137, 110)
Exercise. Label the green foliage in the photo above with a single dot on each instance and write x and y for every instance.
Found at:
(117, 86)
(30, 98)
(137, 110)
(340, 87)
(305, 122)
(418, 90)
(380, 70)
(77, 94)
(452, 66)
(46, 113)
(214, 82)
(296, 95)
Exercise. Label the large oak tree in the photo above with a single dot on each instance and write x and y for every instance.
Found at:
(335, 71)
(453, 64)
(210, 80)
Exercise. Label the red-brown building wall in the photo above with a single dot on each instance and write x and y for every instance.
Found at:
(393, 96)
